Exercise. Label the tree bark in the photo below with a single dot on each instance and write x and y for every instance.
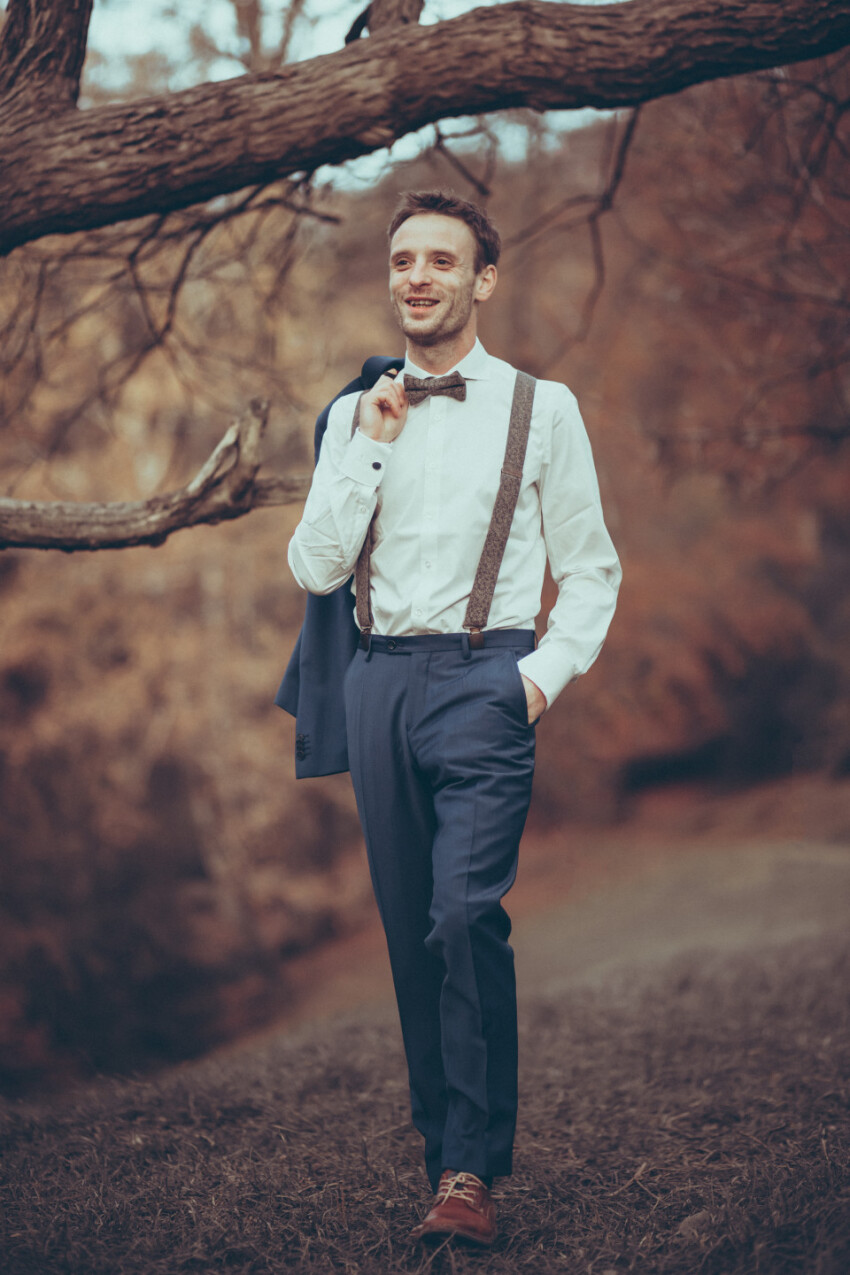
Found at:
(42, 49)
(225, 487)
(82, 169)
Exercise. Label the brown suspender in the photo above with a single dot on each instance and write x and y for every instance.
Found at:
(483, 587)
(363, 569)
(484, 584)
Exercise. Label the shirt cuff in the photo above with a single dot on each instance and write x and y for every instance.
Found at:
(546, 674)
(364, 460)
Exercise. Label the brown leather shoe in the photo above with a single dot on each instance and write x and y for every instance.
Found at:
(463, 1207)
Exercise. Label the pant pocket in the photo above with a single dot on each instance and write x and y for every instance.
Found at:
(519, 697)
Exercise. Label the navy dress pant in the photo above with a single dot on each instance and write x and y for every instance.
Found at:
(442, 759)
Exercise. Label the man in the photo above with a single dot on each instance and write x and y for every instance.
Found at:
(444, 490)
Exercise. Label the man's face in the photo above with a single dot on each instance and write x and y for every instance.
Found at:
(433, 283)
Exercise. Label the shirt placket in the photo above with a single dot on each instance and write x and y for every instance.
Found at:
(422, 608)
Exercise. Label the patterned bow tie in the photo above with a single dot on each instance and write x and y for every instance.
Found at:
(454, 385)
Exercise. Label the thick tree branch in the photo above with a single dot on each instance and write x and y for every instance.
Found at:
(42, 49)
(225, 487)
(92, 168)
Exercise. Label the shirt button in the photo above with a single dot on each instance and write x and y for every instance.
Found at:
(418, 612)
(376, 464)
(427, 566)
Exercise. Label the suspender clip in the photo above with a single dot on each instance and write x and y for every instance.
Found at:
(476, 640)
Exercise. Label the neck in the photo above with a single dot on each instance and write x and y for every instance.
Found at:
(439, 359)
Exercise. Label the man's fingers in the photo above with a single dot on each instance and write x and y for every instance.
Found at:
(383, 410)
(387, 402)
(390, 394)
(396, 388)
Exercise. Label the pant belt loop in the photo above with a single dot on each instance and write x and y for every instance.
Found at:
(464, 645)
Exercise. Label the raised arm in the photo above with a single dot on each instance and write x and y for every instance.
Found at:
(342, 498)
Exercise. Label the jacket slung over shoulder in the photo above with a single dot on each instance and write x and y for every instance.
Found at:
(311, 690)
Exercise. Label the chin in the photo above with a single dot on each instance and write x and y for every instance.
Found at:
(421, 337)
(433, 332)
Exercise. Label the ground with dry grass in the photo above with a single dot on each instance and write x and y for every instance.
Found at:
(679, 1118)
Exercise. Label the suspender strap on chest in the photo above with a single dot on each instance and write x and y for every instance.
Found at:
(484, 584)
(363, 568)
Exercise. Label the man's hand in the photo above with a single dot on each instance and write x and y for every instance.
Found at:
(536, 699)
(383, 410)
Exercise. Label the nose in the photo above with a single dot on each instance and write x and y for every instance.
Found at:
(419, 274)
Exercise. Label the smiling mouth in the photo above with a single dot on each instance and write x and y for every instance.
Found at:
(421, 303)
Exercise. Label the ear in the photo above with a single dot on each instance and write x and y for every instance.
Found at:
(485, 282)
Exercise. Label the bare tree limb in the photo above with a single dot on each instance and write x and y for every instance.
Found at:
(290, 21)
(379, 15)
(225, 487)
(249, 24)
(481, 188)
(42, 49)
(153, 260)
(82, 169)
(601, 204)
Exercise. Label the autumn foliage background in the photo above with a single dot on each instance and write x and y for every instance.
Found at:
(159, 867)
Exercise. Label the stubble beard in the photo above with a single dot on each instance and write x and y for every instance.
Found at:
(449, 326)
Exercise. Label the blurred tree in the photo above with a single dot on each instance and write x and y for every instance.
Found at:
(738, 197)
(68, 170)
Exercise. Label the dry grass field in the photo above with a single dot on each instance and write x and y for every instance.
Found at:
(685, 1110)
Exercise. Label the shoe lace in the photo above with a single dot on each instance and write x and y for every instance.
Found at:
(466, 1186)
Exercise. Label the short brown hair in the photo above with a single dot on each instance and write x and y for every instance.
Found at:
(488, 245)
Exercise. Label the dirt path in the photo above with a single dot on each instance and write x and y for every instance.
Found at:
(712, 903)
(592, 905)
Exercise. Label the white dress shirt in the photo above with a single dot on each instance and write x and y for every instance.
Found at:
(434, 488)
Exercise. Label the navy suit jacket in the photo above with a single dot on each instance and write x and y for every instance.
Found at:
(311, 689)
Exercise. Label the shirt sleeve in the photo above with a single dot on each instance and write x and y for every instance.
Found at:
(339, 507)
(582, 558)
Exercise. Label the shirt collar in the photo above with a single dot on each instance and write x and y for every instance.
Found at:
(474, 366)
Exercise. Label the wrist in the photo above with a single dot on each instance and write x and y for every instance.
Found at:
(379, 435)
(385, 432)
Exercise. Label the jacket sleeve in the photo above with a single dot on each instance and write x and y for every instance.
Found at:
(327, 541)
